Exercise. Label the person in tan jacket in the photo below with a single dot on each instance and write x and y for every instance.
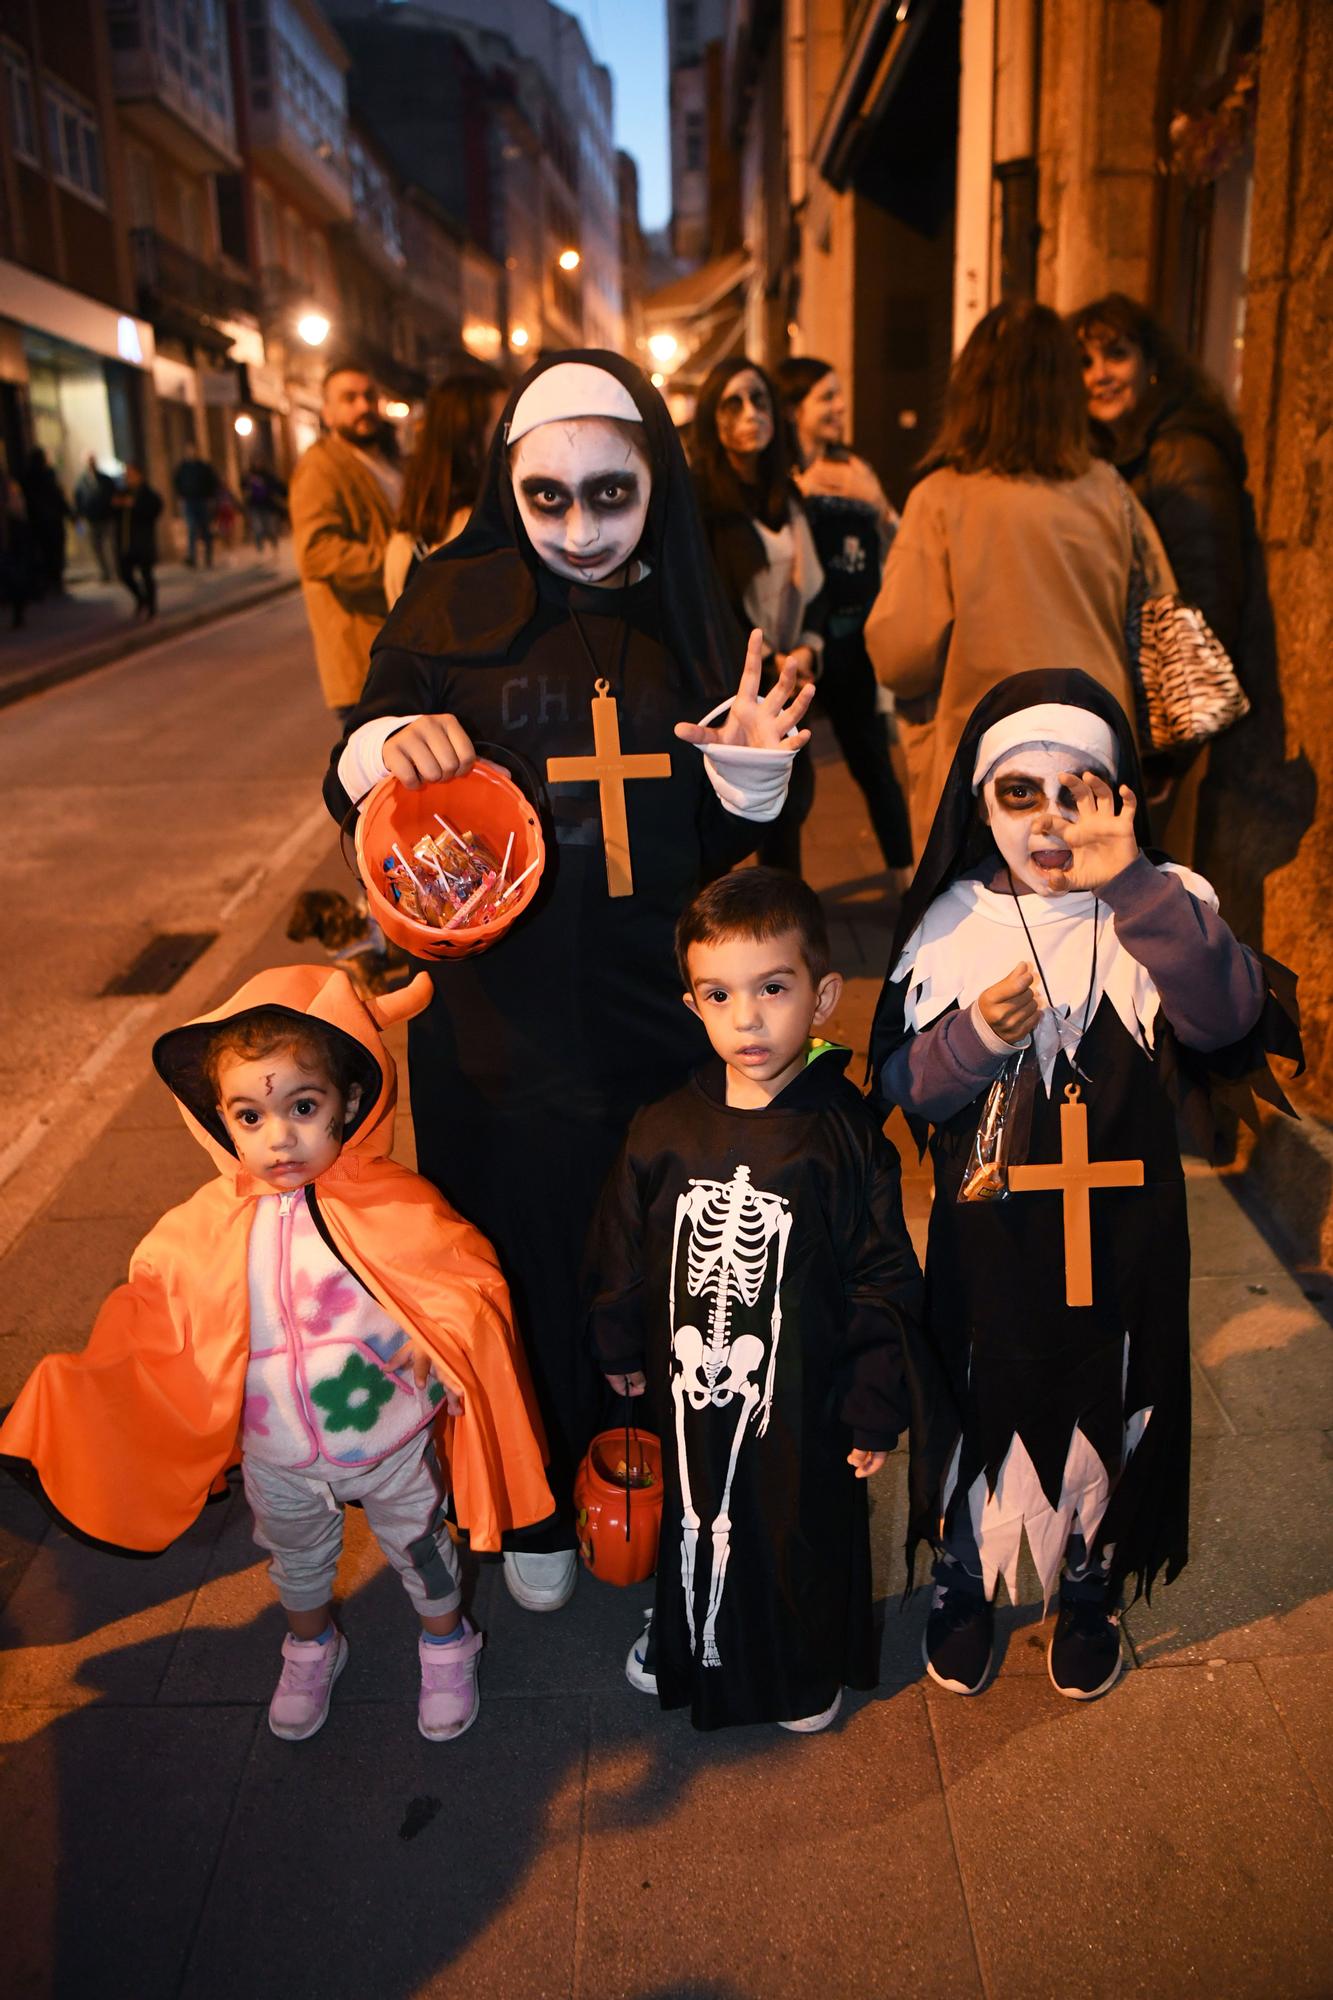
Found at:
(1014, 551)
(345, 495)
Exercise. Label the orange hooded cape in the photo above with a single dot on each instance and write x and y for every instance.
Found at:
(125, 1440)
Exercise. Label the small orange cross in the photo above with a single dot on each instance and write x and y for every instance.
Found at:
(1075, 1177)
(610, 770)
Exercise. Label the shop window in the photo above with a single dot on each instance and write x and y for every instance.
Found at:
(74, 143)
(22, 112)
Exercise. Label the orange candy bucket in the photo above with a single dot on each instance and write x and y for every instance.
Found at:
(619, 1524)
(486, 802)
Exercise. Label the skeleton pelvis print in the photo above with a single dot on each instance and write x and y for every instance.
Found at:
(728, 1253)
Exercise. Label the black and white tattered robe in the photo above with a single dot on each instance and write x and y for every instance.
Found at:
(1032, 1416)
(755, 1263)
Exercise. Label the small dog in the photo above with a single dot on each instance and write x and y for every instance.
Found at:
(351, 939)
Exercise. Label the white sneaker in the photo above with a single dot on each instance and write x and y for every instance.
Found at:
(810, 1725)
(301, 1699)
(542, 1583)
(636, 1669)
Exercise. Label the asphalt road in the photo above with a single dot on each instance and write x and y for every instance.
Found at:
(177, 791)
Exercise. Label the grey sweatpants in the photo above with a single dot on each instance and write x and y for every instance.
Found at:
(299, 1520)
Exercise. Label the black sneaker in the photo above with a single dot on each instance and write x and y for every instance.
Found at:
(1084, 1658)
(959, 1642)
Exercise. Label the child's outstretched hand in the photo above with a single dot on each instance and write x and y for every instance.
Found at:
(632, 1384)
(758, 721)
(423, 1362)
(1101, 841)
(866, 1463)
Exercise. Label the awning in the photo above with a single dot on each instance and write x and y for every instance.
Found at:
(46, 307)
(701, 291)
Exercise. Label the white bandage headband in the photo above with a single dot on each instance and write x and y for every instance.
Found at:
(570, 390)
(1049, 725)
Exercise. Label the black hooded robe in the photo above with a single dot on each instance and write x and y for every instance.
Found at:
(1004, 1357)
(817, 1268)
(525, 1072)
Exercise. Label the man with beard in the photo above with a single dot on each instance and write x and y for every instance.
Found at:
(344, 499)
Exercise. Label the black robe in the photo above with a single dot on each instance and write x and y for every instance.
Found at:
(825, 1285)
(526, 1071)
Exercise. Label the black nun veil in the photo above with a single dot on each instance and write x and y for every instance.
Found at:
(472, 598)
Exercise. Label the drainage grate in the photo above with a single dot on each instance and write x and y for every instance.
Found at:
(160, 964)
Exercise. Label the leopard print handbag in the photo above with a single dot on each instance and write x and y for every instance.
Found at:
(1185, 686)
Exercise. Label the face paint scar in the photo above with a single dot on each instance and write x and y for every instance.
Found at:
(268, 1086)
(333, 1128)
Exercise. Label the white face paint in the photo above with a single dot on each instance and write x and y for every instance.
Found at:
(1026, 807)
(582, 492)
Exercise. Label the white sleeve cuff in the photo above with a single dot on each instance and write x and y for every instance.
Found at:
(362, 762)
(752, 784)
(993, 1043)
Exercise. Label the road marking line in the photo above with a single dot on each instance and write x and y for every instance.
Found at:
(281, 858)
(39, 1125)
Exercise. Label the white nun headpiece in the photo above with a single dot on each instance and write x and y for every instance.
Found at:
(1049, 725)
(569, 390)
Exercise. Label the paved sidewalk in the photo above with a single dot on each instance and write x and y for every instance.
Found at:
(94, 623)
(1170, 1840)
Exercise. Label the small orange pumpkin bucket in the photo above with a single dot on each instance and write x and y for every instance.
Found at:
(485, 802)
(618, 1497)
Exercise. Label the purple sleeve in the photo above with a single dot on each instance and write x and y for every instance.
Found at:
(1211, 986)
(938, 1071)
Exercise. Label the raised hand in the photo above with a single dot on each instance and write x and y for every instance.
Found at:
(758, 721)
(1010, 1007)
(1101, 841)
(429, 749)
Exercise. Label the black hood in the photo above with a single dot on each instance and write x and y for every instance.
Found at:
(472, 598)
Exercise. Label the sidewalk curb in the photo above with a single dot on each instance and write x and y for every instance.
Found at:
(105, 652)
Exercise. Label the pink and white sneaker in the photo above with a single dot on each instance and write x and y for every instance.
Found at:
(450, 1700)
(301, 1699)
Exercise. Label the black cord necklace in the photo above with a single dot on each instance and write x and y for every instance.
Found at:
(1041, 971)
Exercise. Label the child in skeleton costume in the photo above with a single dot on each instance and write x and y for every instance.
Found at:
(575, 624)
(752, 1271)
(1042, 947)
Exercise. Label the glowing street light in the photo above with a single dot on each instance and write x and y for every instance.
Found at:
(519, 337)
(313, 329)
(657, 378)
(569, 260)
(397, 411)
(663, 347)
(244, 426)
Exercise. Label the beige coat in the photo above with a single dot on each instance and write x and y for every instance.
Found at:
(341, 525)
(987, 577)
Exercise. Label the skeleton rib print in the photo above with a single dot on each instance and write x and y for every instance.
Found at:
(735, 1236)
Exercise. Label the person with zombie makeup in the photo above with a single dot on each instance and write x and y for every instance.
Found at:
(582, 577)
(761, 541)
(1042, 956)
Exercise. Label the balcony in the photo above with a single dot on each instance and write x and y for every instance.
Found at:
(172, 79)
(297, 105)
(184, 296)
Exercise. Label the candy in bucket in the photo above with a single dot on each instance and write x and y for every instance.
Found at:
(452, 877)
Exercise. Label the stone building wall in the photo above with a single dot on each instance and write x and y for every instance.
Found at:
(1287, 413)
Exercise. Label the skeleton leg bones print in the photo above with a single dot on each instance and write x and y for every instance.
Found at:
(729, 1247)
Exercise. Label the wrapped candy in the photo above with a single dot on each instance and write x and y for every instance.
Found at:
(451, 879)
(1000, 1137)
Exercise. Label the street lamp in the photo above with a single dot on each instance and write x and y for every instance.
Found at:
(313, 329)
(657, 378)
(569, 260)
(519, 337)
(663, 347)
(244, 426)
(397, 411)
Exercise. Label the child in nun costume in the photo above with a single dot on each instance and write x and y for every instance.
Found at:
(571, 628)
(1055, 998)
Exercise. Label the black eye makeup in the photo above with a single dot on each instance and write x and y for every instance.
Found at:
(604, 492)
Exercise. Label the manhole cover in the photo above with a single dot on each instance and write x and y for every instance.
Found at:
(160, 964)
